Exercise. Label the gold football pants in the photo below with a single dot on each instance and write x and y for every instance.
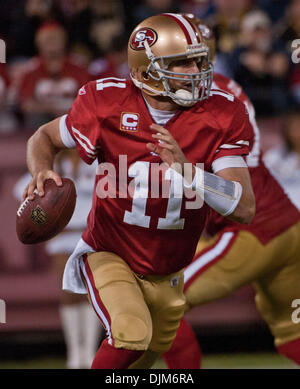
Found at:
(231, 260)
(138, 313)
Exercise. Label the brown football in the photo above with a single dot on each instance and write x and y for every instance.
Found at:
(44, 217)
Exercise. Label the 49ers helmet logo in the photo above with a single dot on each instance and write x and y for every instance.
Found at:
(142, 35)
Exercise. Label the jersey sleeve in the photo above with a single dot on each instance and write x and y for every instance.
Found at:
(238, 136)
(82, 125)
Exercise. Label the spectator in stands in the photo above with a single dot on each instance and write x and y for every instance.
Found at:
(284, 160)
(114, 64)
(202, 9)
(103, 31)
(288, 31)
(80, 18)
(225, 23)
(108, 22)
(274, 8)
(149, 8)
(294, 81)
(26, 23)
(49, 88)
(261, 65)
(288, 27)
(107, 9)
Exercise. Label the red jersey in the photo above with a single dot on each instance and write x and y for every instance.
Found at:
(158, 235)
(60, 88)
(274, 211)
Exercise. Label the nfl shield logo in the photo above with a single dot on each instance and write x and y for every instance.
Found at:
(38, 215)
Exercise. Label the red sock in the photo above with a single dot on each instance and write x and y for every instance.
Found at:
(109, 357)
(185, 352)
(291, 350)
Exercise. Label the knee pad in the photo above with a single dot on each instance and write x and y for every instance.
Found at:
(130, 332)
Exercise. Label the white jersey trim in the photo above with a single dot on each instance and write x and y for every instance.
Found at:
(87, 147)
(95, 304)
(207, 257)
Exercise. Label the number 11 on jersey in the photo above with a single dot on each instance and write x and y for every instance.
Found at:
(140, 187)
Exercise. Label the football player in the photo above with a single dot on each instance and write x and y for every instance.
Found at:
(131, 256)
(264, 253)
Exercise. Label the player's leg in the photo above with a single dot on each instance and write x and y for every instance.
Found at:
(291, 350)
(276, 291)
(120, 305)
(221, 266)
(166, 302)
(185, 352)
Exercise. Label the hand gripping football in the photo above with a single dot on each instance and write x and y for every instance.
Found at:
(44, 217)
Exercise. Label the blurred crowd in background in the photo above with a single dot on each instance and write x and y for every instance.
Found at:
(53, 47)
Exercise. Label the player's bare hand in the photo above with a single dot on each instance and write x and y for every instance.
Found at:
(37, 183)
(167, 148)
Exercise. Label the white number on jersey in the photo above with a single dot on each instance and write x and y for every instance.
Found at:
(140, 184)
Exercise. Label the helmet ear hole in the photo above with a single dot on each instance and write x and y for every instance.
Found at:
(145, 76)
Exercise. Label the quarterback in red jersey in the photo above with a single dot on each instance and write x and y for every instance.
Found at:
(264, 253)
(164, 129)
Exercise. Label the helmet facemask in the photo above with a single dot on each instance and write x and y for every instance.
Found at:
(198, 84)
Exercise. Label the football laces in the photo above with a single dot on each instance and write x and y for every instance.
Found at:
(25, 202)
(22, 206)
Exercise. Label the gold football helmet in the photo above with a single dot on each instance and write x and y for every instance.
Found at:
(157, 42)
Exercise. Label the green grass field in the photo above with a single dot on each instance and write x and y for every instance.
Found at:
(219, 361)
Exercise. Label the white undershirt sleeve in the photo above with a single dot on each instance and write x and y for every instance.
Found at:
(66, 137)
(228, 162)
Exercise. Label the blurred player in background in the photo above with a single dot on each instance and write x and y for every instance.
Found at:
(264, 253)
(7, 121)
(132, 253)
(80, 325)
